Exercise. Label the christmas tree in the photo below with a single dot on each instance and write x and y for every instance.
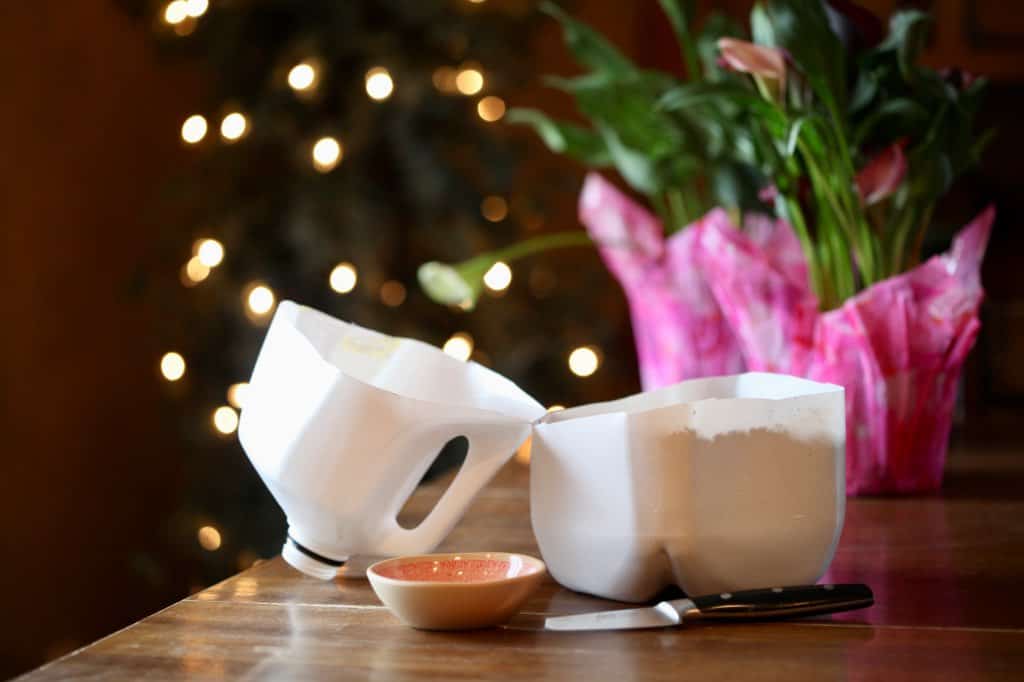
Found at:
(341, 145)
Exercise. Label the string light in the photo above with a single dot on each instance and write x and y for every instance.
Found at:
(494, 208)
(194, 272)
(379, 85)
(225, 420)
(193, 129)
(498, 276)
(584, 361)
(209, 538)
(260, 299)
(459, 346)
(491, 108)
(556, 408)
(302, 76)
(326, 154)
(196, 8)
(172, 366)
(233, 126)
(392, 293)
(343, 278)
(210, 252)
(469, 81)
(176, 12)
(237, 394)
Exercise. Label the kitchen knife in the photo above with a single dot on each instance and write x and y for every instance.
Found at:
(766, 604)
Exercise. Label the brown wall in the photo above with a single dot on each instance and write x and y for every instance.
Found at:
(89, 125)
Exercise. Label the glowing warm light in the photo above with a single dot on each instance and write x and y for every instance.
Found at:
(469, 81)
(556, 408)
(237, 394)
(491, 108)
(233, 126)
(225, 419)
(379, 85)
(210, 252)
(302, 76)
(344, 277)
(196, 8)
(392, 293)
(176, 12)
(494, 208)
(459, 346)
(193, 129)
(326, 154)
(498, 276)
(477, 2)
(195, 271)
(172, 366)
(209, 538)
(444, 79)
(584, 361)
(260, 299)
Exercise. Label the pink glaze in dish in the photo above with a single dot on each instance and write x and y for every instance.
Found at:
(459, 569)
(456, 591)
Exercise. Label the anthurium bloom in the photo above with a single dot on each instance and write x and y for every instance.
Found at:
(882, 175)
(768, 63)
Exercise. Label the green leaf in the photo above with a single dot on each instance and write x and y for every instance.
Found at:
(908, 114)
(680, 15)
(801, 27)
(908, 31)
(560, 137)
(635, 167)
(588, 46)
(794, 135)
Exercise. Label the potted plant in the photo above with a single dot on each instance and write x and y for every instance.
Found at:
(850, 142)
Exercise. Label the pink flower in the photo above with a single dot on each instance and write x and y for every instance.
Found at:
(883, 174)
(768, 63)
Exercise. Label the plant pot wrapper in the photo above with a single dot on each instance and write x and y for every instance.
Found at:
(897, 347)
(679, 329)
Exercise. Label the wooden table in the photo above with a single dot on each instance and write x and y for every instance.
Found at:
(948, 575)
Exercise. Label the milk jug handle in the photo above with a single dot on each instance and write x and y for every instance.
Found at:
(490, 447)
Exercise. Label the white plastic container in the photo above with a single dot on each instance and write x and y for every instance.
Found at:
(342, 422)
(714, 485)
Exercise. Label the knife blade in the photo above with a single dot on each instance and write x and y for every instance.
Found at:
(764, 604)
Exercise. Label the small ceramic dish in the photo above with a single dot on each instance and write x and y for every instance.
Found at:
(456, 591)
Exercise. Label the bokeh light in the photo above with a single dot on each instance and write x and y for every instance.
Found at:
(225, 419)
(392, 293)
(260, 299)
(494, 208)
(491, 108)
(194, 272)
(344, 277)
(498, 276)
(237, 394)
(209, 538)
(193, 129)
(233, 126)
(584, 361)
(469, 81)
(172, 366)
(459, 346)
(196, 8)
(210, 252)
(379, 85)
(176, 12)
(326, 154)
(302, 76)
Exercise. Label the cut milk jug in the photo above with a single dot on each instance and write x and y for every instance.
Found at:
(342, 422)
(714, 485)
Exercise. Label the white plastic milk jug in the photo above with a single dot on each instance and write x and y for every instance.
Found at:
(342, 422)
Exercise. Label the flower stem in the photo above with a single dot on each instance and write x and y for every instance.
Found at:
(544, 242)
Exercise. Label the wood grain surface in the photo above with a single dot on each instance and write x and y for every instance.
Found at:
(947, 573)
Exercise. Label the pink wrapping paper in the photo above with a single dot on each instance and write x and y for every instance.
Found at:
(897, 347)
(680, 331)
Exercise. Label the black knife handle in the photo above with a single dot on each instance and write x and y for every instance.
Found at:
(779, 602)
